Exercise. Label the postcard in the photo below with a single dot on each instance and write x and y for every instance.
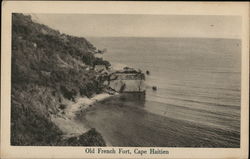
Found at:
(110, 79)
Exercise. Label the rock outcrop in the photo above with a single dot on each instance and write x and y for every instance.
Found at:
(127, 80)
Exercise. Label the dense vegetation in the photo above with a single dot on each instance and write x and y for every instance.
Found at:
(47, 68)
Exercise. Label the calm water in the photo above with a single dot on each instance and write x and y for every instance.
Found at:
(197, 103)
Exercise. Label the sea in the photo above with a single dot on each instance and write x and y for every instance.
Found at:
(198, 96)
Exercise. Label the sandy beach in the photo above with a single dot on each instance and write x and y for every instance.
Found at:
(67, 122)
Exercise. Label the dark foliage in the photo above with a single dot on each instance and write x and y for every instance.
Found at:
(91, 138)
(100, 61)
(46, 67)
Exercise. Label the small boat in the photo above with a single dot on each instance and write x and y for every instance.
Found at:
(154, 88)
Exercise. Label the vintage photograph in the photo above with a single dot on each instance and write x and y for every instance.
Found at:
(127, 80)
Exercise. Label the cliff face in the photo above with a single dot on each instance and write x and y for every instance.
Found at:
(48, 68)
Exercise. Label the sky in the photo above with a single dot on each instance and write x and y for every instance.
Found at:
(142, 25)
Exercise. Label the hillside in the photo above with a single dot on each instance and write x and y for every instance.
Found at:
(48, 68)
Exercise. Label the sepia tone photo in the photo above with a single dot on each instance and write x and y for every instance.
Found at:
(124, 80)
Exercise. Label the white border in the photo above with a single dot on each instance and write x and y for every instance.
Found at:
(175, 8)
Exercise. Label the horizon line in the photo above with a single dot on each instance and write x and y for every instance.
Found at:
(187, 37)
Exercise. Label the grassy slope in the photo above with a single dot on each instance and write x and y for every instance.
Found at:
(47, 68)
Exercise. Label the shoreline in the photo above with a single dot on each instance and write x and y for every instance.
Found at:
(66, 119)
(67, 122)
